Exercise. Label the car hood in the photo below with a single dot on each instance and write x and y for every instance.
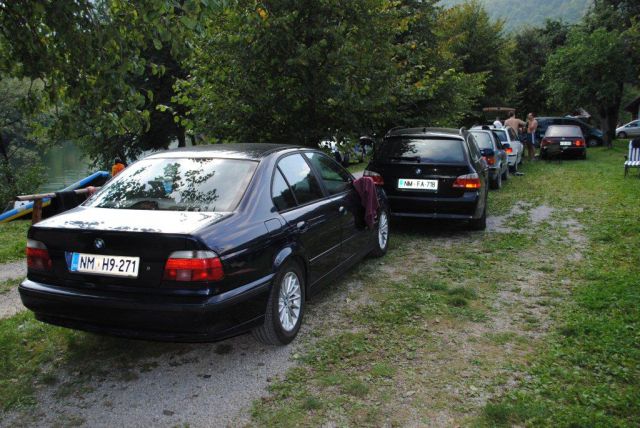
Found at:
(107, 219)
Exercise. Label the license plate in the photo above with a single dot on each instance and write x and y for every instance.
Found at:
(409, 183)
(565, 143)
(105, 265)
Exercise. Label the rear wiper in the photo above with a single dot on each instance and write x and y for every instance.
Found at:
(405, 158)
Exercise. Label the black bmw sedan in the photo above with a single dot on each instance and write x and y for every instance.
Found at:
(433, 173)
(202, 244)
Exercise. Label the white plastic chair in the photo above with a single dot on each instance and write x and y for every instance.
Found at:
(632, 160)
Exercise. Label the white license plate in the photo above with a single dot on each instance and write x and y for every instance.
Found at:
(565, 143)
(105, 265)
(409, 183)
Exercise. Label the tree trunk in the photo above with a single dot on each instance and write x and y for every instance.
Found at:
(181, 137)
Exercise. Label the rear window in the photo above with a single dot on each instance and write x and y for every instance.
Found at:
(445, 151)
(483, 140)
(502, 135)
(178, 185)
(563, 131)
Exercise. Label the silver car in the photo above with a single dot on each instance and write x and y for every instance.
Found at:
(508, 135)
(631, 129)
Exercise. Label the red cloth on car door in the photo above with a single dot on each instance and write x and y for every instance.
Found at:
(366, 189)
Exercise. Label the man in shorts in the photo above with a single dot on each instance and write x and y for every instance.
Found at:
(532, 126)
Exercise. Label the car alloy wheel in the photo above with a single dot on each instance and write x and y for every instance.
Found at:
(592, 142)
(289, 302)
(285, 306)
(622, 135)
(381, 238)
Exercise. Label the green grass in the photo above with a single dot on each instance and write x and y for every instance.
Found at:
(8, 285)
(588, 374)
(357, 167)
(13, 240)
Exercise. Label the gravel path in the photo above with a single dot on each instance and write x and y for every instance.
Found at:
(10, 303)
(13, 270)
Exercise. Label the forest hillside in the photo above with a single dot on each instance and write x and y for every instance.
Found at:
(518, 13)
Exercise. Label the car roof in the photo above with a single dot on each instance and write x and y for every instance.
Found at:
(426, 132)
(249, 151)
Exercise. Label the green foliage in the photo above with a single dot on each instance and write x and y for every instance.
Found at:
(590, 71)
(478, 43)
(291, 72)
(21, 119)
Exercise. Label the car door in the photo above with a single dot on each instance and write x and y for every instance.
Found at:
(315, 219)
(500, 153)
(337, 183)
(633, 129)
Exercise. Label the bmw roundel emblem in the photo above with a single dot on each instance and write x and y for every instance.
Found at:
(98, 243)
(418, 171)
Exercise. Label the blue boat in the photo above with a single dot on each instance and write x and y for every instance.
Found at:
(97, 178)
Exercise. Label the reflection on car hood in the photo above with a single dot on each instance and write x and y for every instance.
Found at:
(89, 218)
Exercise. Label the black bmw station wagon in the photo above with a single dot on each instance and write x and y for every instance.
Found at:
(202, 244)
(433, 173)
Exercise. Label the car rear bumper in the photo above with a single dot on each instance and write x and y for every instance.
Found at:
(460, 208)
(512, 159)
(570, 151)
(167, 317)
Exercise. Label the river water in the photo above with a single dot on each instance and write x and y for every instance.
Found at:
(64, 165)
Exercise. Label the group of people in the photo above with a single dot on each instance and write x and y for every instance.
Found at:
(520, 127)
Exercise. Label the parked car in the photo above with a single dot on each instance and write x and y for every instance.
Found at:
(432, 173)
(631, 129)
(512, 145)
(563, 140)
(593, 136)
(202, 243)
(494, 154)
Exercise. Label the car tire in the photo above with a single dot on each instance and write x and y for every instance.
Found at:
(505, 175)
(496, 184)
(592, 142)
(514, 168)
(622, 135)
(381, 238)
(281, 326)
(479, 223)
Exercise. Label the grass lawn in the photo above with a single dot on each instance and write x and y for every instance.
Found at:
(13, 240)
(535, 322)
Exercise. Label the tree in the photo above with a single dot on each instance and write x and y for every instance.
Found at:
(21, 117)
(479, 43)
(534, 45)
(291, 71)
(590, 71)
(108, 66)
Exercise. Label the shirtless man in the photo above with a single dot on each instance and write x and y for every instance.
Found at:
(532, 126)
(514, 122)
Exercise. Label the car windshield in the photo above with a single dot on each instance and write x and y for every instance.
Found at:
(483, 140)
(502, 135)
(563, 131)
(421, 149)
(168, 184)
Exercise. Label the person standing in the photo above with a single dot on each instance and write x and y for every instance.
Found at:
(117, 167)
(532, 126)
(515, 123)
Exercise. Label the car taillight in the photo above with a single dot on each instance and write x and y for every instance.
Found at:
(545, 142)
(468, 181)
(491, 160)
(377, 178)
(192, 266)
(38, 256)
(579, 143)
(509, 150)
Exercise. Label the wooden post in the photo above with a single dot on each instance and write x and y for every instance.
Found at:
(37, 211)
